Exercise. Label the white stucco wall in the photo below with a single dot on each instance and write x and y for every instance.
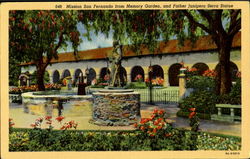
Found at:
(210, 58)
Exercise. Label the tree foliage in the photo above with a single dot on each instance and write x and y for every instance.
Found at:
(144, 28)
(35, 36)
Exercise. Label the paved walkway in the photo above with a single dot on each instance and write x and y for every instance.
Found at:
(23, 120)
(205, 125)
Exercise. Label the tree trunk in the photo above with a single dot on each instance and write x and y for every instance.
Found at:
(40, 76)
(224, 81)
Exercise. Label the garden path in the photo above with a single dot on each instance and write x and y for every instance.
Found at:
(24, 120)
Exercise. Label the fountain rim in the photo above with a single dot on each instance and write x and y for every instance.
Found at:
(62, 96)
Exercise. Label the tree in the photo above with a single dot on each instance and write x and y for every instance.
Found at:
(144, 28)
(222, 36)
(35, 36)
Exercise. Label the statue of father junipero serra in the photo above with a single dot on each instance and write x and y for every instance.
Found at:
(116, 78)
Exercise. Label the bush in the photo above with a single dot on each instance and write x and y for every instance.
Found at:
(203, 101)
(200, 83)
(181, 113)
(136, 85)
(234, 97)
(73, 140)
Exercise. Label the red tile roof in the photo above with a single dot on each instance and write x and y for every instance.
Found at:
(203, 44)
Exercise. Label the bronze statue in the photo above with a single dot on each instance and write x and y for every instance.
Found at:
(116, 78)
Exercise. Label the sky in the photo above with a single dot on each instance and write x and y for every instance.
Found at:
(98, 41)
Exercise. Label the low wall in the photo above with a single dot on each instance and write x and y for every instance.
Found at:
(55, 105)
(116, 109)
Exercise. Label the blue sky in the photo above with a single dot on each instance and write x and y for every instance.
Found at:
(98, 41)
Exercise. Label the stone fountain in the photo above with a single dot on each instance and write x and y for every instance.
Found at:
(114, 105)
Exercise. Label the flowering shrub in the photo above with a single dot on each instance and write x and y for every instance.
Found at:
(138, 78)
(60, 118)
(68, 125)
(238, 74)
(194, 120)
(33, 88)
(210, 73)
(64, 82)
(48, 119)
(158, 81)
(203, 101)
(106, 77)
(11, 124)
(201, 83)
(191, 72)
(156, 125)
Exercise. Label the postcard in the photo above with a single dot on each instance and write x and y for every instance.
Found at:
(125, 79)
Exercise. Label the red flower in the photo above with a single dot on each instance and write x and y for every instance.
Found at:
(48, 117)
(68, 126)
(60, 118)
(154, 130)
(142, 128)
(191, 115)
(155, 111)
(161, 112)
(156, 122)
(192, 109)
(33, 125)
(152, 135)
(62, 128)
(40, 120)
(160, 119)
(144, 120)
(159, 127)
(135, 125)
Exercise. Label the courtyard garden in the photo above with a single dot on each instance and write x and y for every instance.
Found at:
(194, 108)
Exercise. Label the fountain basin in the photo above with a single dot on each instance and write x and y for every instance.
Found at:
(56, 103)
(116, 107)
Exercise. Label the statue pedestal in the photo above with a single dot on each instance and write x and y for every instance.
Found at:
(81, 89)
(116, 107)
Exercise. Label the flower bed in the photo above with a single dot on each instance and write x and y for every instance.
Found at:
(32, 88)
(151, 134)
(73, 140)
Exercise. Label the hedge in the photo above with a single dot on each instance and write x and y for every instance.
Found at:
(73, 140)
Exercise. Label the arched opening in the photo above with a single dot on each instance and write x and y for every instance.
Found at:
(90, 76)
(201, 67)
(137, 70)
(24, 79)
(173, 73)
(77, 74)
(233, 70)
(157, 72)
(103, 72)
(66, 73)
(56, 76)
